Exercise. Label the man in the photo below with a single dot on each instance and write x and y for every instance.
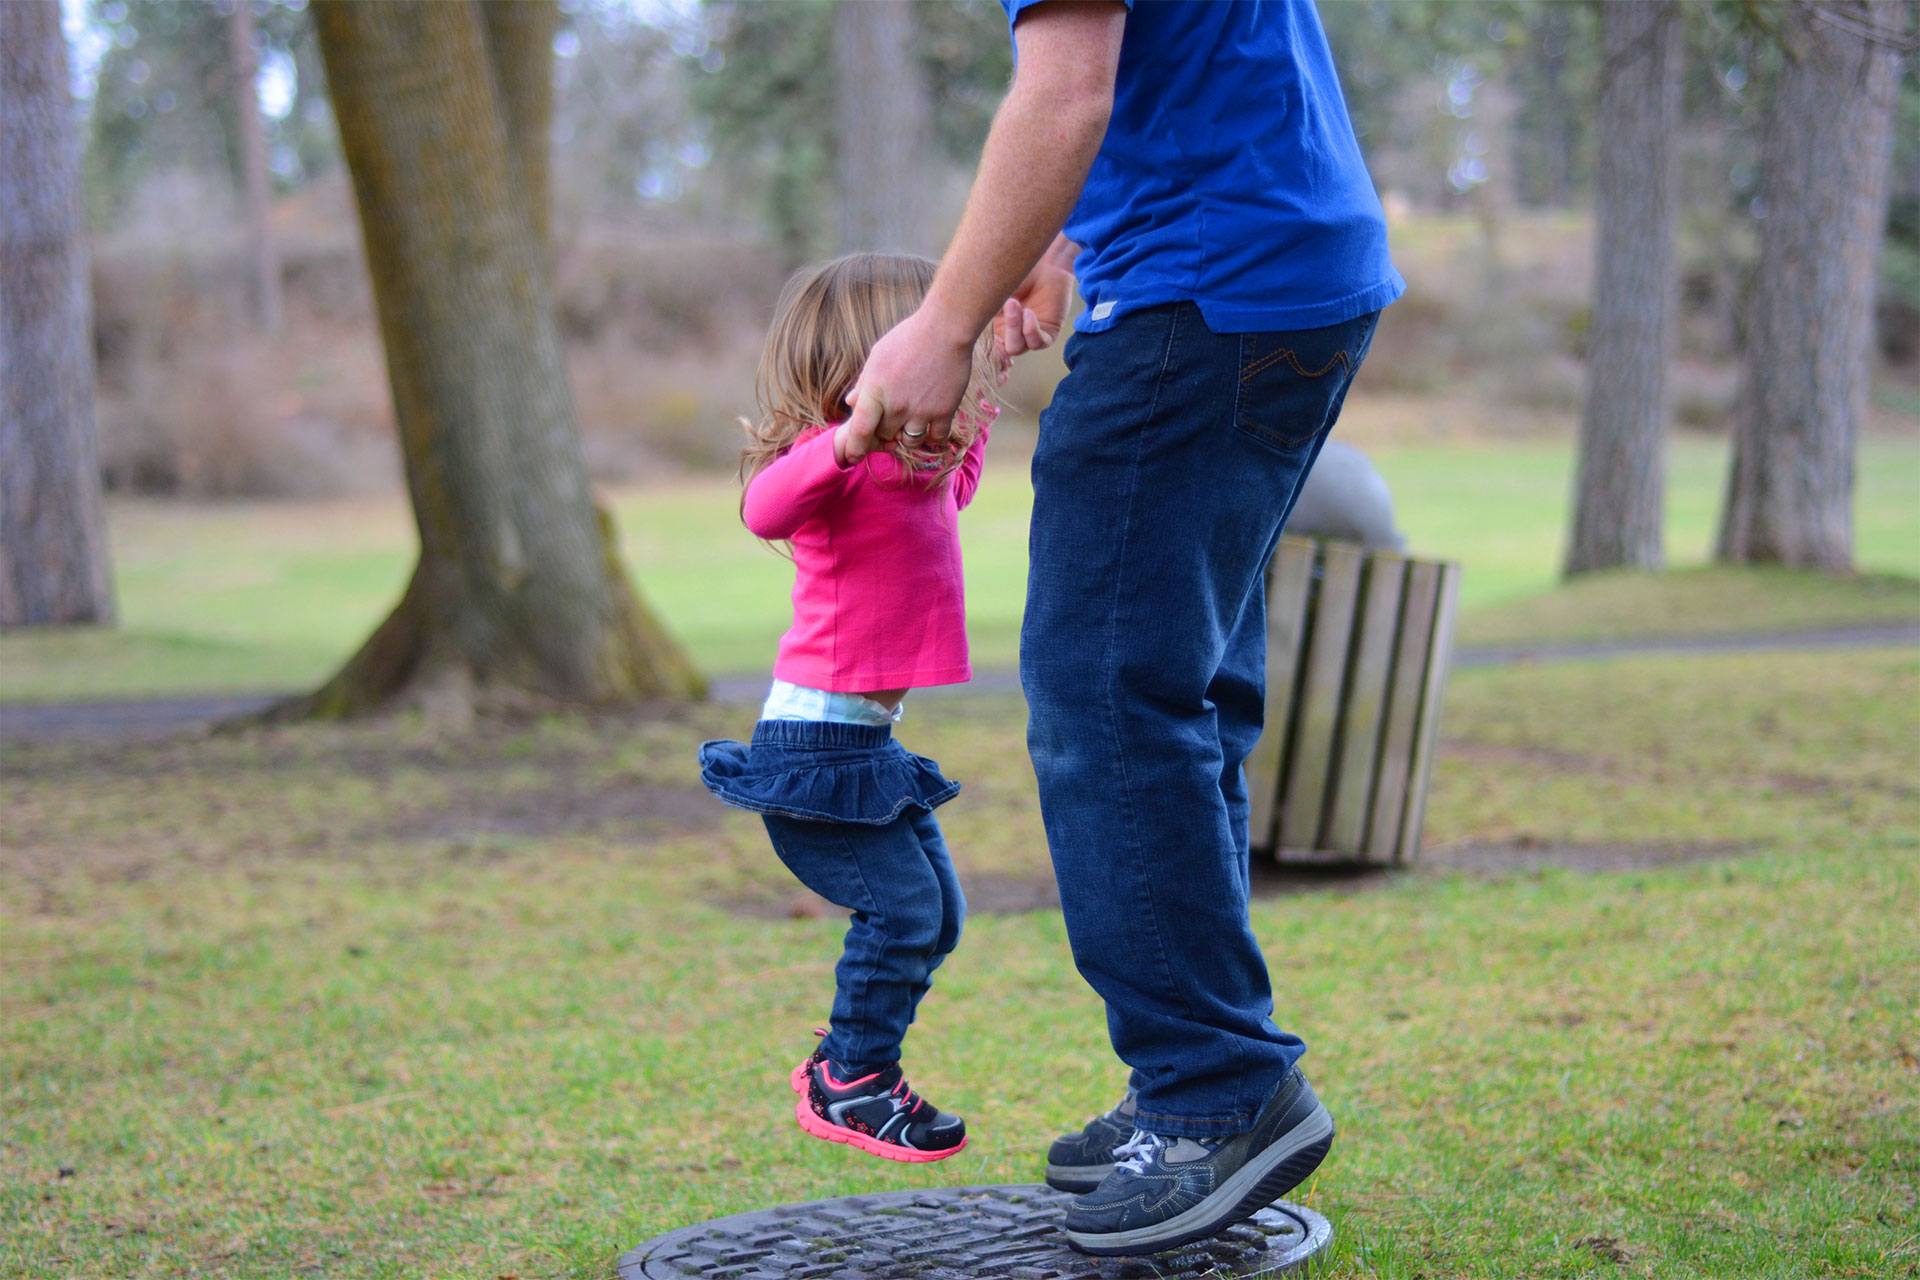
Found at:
(1233, 256)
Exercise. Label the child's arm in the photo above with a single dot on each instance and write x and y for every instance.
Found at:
(797, 485)
(967, 478)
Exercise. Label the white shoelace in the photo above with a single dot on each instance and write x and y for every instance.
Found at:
(1133, 1154)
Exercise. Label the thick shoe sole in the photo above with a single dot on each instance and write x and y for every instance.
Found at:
(1270, 1174)
(819, 1128)
(1077, 1178)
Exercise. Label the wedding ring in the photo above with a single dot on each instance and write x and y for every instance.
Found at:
(921, 434)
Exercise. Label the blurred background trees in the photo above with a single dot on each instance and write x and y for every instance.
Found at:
(445, 114)
(1804, 379)
(697, 154)
(1619, 497)
(53, 535)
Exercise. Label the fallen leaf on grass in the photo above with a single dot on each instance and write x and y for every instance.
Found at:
(1606, 1248)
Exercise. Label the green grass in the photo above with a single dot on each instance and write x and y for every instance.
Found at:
(282, 1007)
(1694, 601)
(274, 597)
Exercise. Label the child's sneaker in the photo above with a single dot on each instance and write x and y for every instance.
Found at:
(878, 1113)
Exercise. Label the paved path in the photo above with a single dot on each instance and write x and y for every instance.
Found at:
(162, 717)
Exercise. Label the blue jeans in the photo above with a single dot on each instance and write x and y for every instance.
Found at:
(851, 815)
(1165, 470)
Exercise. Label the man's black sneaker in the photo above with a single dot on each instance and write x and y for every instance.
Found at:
(1081, 1161)
(876, 1113)
(1166, 1192)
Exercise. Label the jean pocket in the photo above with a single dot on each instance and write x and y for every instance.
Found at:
(1291, 384)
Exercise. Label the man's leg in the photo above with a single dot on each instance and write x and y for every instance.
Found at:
(1159, 492)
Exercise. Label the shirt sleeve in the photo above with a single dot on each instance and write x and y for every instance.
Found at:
(795, 487)
(1015, 8)
(966, 479)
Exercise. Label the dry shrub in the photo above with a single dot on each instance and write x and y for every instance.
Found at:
(1495, 311)
(644, 413)
(207, 430)
(1701, 395)
(193, 402)
(661, 290)
(662, 325)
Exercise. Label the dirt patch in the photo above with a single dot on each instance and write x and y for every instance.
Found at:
(613, 807)
(993, 895)
(1532, 854)
(1012, 895)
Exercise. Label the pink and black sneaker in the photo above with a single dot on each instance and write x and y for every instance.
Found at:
(877, 1112)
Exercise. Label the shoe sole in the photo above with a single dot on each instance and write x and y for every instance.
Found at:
(1077, 1178)
(1269, 1175)
(819, 1128)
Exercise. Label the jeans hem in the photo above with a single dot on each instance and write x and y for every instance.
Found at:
(1195, 1126)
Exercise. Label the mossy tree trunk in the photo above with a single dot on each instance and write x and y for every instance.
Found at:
(443, 112)
(1619, 486)
(1803, 385)
(53, 530)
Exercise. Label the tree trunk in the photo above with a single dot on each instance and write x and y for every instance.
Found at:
(1619, 486)
(1803, 385)
(1557, 139)
(518, 587)
(53, 535)
(267, 306)
(883, 130)
(520, 51)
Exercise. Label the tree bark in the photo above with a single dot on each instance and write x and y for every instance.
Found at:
(1803, 387)
(267, 304)
(883, 118)
(1620, 481)
(53, 536)
(520, 51)
(518, 587)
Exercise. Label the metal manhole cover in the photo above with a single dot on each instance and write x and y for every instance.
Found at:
(957, 1233)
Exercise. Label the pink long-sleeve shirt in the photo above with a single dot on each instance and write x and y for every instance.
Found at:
(879, 601)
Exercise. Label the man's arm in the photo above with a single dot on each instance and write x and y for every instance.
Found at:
(1036, 158)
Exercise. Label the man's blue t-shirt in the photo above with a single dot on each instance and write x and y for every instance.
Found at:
(1229, 176)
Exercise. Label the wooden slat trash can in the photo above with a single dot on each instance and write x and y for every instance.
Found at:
(1358, 644)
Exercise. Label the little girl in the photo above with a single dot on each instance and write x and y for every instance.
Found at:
(877, 611)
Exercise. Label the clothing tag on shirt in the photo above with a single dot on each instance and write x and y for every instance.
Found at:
(1102, 311)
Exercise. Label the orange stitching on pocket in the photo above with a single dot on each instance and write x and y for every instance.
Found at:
(1275, 357)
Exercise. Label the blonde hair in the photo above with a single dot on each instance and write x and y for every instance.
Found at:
(824, 326)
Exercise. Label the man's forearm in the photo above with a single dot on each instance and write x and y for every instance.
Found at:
(1035, 161)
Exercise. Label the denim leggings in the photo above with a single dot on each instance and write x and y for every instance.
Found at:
(850, 813)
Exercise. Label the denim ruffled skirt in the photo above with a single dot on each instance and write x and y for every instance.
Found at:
(823, 772)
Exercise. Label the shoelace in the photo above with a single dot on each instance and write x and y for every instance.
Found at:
(905, 1094)
(1134, 1153)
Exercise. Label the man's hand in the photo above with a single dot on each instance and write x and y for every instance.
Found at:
(1042, 143)
(911, 386)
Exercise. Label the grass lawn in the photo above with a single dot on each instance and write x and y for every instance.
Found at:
(373, 1002)
(275, 596)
